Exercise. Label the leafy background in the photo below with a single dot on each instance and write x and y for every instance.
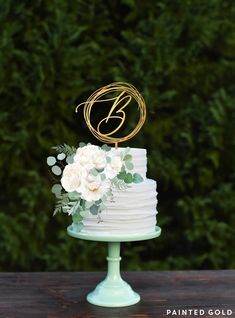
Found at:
(181, 57)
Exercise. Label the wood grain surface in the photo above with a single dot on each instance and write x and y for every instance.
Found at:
(55, 294)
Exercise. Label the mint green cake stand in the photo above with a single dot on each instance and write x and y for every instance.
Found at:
(113, 291)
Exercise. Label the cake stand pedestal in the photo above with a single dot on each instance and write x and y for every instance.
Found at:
(113, 291)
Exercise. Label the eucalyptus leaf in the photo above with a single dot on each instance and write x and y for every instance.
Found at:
(61, 156)
(122, 175)
(56, 170)
(128, 157)
(51, 160)
(69, 159)
(137, 178)
(108, 159)
(129, 165)
(74, 195)
(94, 209)
(106, 147)
(82, 144)
(128, 178)
(56, 189)
(103, 177)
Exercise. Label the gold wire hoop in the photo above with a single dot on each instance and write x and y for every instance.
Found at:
(127, 92)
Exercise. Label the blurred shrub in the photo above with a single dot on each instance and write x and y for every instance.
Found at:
(181, 57)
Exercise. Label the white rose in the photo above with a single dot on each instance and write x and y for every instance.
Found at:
(114, 167)
(72, 177)
(90, 157)
(94, 190)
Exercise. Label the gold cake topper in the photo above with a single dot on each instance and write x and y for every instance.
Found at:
(127, 92)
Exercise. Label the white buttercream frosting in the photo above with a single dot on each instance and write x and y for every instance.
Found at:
(133, 210)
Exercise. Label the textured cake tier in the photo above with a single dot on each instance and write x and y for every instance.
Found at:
(133, 211)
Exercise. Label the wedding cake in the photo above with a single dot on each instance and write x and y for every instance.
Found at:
(103, 188)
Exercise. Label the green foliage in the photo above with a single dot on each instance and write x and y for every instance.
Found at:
(62, 204)
(128, 157)
(106, 147)
(137, 178)
(66, 149)
(180, 56)
(119, 184)
(94, 209)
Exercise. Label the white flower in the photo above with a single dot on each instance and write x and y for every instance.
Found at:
(114, 167)
(94, 189)
(90, 157)
(72, 177)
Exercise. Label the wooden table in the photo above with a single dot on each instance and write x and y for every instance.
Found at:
(41, 295)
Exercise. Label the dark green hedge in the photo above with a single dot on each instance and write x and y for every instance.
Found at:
(181, 57)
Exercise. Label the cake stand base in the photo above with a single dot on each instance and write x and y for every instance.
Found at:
(107, 294)
(113, 291)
